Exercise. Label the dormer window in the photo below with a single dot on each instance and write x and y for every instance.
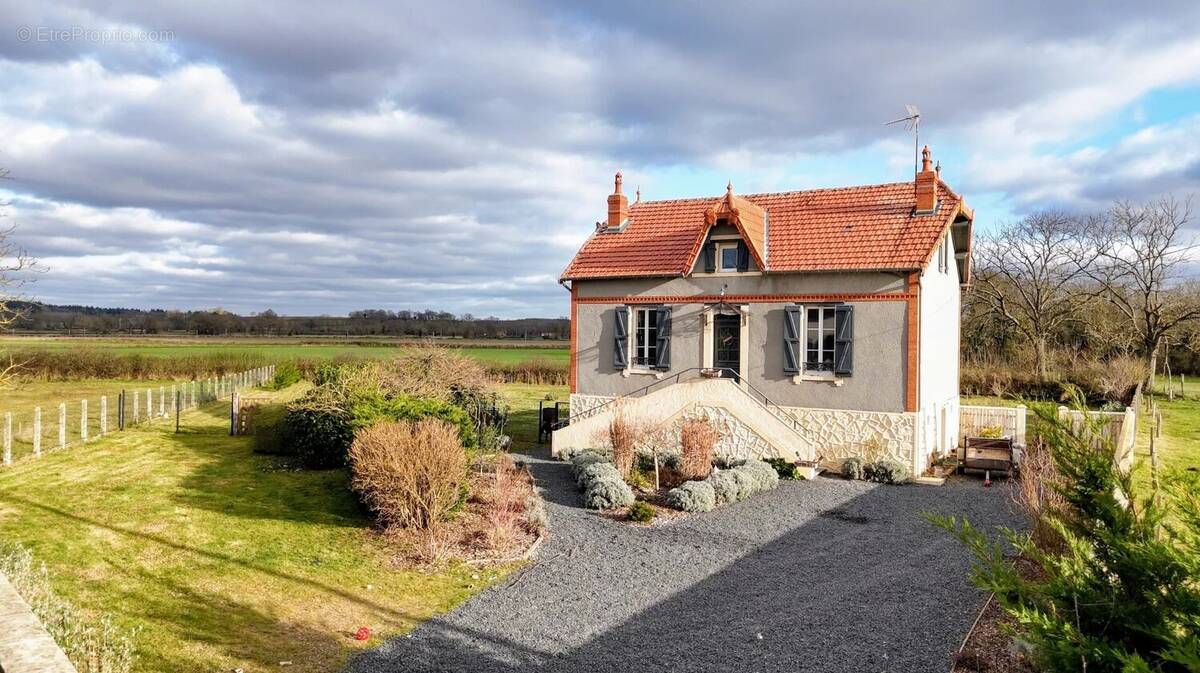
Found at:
(727, 257)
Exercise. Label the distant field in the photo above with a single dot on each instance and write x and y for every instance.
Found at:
(488, 351)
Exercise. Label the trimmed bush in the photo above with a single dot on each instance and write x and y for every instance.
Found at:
(692, 496)
(368, 410)
(582, 461)
(785, 469)
(318, 430)
(593, 471)
(409, 474)
(852, 468)
(762, 476)
(887, 471)
(642, 512)
(727, 487)
(605, 489)
(286, 374)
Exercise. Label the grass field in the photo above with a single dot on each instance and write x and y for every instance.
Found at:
(222, 558)
(488, 352)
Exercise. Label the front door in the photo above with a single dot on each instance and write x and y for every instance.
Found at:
(727, 347)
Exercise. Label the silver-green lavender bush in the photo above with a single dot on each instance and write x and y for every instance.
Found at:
(94, 644)
(692, 496)
(606, 489)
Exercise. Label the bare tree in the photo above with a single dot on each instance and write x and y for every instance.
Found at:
(1029, 274)
(1141, 270)
(15, 264)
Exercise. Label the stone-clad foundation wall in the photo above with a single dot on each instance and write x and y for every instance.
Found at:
(835, 434)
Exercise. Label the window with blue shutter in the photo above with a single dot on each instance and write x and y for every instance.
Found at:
(843, 357)
(791, 339)
(710, 257)
(662, 354)
(621, 337)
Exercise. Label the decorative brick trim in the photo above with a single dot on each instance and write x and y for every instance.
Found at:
(571, 376)
(747, 298)
(913, 346)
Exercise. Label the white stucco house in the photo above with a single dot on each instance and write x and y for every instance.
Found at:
(816, 324)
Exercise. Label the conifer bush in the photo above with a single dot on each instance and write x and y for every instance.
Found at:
(1121, 593)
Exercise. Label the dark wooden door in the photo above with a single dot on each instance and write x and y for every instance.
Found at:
(727, 346)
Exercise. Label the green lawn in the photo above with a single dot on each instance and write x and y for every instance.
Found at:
(222, 558)
(523, 419)
(490, 352)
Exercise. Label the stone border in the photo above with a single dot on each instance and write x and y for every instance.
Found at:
(25, 646)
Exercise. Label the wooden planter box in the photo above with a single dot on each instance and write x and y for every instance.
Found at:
(986, 453)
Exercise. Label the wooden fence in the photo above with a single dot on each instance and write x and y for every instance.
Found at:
(87, 422)
(973, 420)
(1113, 428)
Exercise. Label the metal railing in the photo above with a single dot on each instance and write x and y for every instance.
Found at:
(726, 374)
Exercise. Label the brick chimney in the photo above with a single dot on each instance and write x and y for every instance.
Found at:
(618, 206)
(926, 184)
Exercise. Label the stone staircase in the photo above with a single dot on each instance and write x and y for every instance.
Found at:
(755, 428)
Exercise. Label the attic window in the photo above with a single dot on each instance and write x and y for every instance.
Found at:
(727, 257)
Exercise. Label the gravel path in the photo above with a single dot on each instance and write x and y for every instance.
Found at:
(826, 575)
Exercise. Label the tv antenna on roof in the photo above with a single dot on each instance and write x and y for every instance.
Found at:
(911, 123)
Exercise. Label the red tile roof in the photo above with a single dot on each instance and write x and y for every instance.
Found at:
(866, 228)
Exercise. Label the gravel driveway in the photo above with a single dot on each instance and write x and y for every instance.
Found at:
(824, 575)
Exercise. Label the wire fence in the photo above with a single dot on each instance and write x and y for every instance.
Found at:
(77, 422)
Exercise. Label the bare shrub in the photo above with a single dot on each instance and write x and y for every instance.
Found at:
(1119, 376)
(1035, 492)
(432, 372)
(409, 474)
(623, 435)
(697, 442)
(538, 371)
(435, 544)
(504, 507)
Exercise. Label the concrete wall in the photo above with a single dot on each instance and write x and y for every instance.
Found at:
(877, 383)
(940, 311)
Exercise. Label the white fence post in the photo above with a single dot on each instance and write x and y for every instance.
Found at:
(8, 438)
(62, 425)
(1022, 414)
(137, 406)
(162, 400)
(149, 405)
(83, 422)
(37, 431)
(103, 415)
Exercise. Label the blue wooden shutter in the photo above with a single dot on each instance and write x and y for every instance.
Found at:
(743, 256)
(662, 352)
(843, 348)
(791, 339)
(710, 257)
(621, 338)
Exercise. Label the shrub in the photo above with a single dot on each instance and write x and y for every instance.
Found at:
(762, 476)
(409, 474)
(538, 371)
(1037, 490)
(697, 442)
(642, 512)
(267, 429)
(606, 489)
(367, 410)
(317, 428)
(1122, 592)
(692, 496)
(535, 513)
(286, 374)
(623, 437)
(887, 471)
(94, 644)
(582, 461)
(784, 468)
(852, 468)
(727, 486)
(504, 513)
(593, 471)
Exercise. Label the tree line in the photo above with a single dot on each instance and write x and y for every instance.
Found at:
(31, 317)
(1055, 286)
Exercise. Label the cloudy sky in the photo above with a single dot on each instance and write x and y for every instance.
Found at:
(454, 155)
